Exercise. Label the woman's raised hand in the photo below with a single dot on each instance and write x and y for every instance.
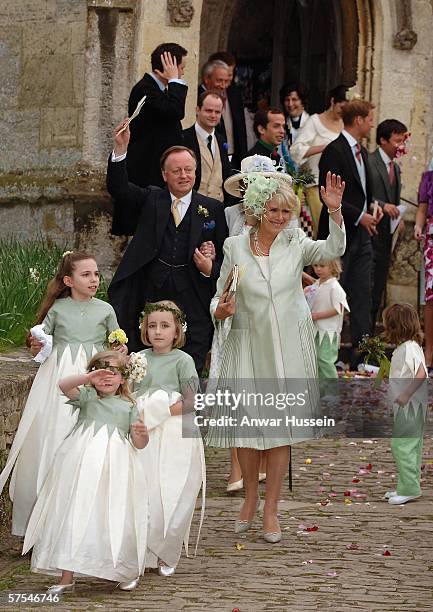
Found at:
(332, 195)
(226, 308)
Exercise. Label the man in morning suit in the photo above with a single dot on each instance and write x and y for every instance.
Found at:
(217, 76)
(158, 125)
(269, 127)
(346, 157)
(213, 165)
(163, 259)
(386, 189)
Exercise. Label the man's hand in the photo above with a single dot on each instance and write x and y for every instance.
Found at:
(369, 222)
(208, 249)
(203, 263)
(35, 346)
(391, 210)
(225, 308)
(121, 140)
(169, 65)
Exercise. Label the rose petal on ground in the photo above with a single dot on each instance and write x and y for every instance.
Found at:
(369, 467)
(386, 553)
(313, 528)
(347, 501)
(346, 493)
(239, 546)
(363, 472)
(352, 546)
(367, 441)
(355, 480)
(332, 574)
(302, 526)
(308, 461)
(332, 494)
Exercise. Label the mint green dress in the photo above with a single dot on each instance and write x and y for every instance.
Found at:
(270, 348)
(79, 330)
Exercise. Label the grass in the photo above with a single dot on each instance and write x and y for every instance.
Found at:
(25, 269)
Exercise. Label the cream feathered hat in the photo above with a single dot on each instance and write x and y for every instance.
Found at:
(256, 183)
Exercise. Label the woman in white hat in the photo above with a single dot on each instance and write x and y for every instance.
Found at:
(269, 350)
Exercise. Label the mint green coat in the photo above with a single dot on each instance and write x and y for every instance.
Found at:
(249, 353)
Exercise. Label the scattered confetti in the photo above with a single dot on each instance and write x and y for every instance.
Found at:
(239, 546)
(347, 501)
(352, 546)
(308, 461)
(332, 574)
(306, 562)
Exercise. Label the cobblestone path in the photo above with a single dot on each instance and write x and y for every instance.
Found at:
(341, 565)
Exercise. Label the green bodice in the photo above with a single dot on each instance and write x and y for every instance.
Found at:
(174, 371)
(73, 323)
(113, 411)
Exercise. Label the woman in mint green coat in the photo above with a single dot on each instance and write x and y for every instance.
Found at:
(271, 338)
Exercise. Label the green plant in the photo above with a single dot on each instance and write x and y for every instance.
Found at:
(25, 269)
(374, 349)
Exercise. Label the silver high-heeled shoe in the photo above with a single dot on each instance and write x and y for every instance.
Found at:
(129, 585)
(241, 525)
(166, 570)
(59, 589)
(272, 537)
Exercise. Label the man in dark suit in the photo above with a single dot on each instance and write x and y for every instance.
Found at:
(158, 125)
(217, 76)
(213, 165)
(346, 157)
(163, 259)
(386, 189)
(269, 127)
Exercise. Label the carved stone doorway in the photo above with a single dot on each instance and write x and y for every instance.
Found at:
(315, 41)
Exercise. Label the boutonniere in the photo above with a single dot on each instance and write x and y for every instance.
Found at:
(203, 211)
(209, 225)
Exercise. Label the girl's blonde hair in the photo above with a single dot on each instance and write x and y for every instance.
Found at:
(402, 323)
(121, 361)
(334, 266)
(163, 306)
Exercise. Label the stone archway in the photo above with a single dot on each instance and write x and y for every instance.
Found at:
(341, 52)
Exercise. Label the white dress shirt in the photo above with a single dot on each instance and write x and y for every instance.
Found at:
(360, 167)
(201, 133)
(385, 158)
(183, 206)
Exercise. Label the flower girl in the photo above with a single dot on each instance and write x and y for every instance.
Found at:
(408, 391)
(78, 323)
(91, 514)
(174, 457)
(327, 301)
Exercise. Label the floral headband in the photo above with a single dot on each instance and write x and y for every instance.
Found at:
(105, 365)
(135, 370)
(177, 313)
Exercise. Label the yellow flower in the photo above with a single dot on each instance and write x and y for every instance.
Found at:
(117, 336)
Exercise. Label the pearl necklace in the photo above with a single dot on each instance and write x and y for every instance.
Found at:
(257, 248)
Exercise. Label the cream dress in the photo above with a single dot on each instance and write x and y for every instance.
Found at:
(91, 515)
(79, 329)
(270, 347)
(174, 458)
